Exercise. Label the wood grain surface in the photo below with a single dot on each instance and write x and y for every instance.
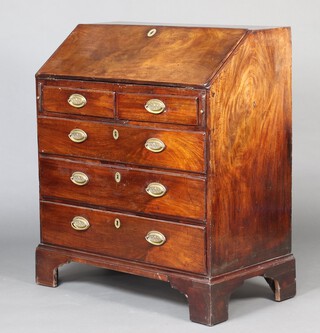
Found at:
(173, 56)
(184, 150)
(99, 103)
(185, 195)
(249, 188)
(184, 248)
(179, 110)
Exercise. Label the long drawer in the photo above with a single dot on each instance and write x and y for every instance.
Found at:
(172, 245)
(180, 150)
(123, 188)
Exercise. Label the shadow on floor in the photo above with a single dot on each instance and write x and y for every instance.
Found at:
(137, 286)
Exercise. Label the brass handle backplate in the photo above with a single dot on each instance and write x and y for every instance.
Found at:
(77, 101)
(155, 238)
(77, 135)
(80, 223)
(156, 190)
(155, 106)
(79, 178)
(155, 145)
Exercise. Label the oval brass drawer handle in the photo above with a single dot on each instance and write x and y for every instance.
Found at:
(77, 135)
(155, 106)
(155, 145)
(77, 101)
(155, 238)
(80, 223)
(79, 178)
(156, 190)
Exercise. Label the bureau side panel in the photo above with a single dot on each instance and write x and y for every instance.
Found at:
(250, 153)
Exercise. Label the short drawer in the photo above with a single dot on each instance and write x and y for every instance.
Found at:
(123, 188)
(181, 150)
(172, 245)
(78, 101)
(159, 108)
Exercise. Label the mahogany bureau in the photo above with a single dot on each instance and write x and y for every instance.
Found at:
(165, 152)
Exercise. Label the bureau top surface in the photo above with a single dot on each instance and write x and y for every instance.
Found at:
(181, 56)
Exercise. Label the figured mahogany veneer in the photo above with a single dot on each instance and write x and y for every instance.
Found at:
(184, 197)
(98, 103)
(180, 110)
(184, 248)
(121, 53)
(192, 188)
(183, 150)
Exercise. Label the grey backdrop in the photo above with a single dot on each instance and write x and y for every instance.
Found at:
(95, 300)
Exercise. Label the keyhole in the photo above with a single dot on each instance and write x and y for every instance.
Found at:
(117, 223)
(117, 177)
(115, 134)
(151, 32)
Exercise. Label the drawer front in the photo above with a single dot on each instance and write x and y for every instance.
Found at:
(78, 101)
(183, 247)
(124, 188)
(182, 150)
(158, 108)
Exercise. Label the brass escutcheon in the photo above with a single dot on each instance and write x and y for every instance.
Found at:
(117, 177)
(77, 101)
(155, 238)
(79, 178)
(77, 135)
(117, 223)
(151, 32)
(156, 190)
(155, 145)
(155, 106)
(115, 134)
(80, 223)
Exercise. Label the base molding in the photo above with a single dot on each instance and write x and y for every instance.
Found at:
(208, 297)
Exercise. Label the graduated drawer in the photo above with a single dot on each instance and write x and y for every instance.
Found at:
(182, 150)
(159, 108)
(122, 188)
(78, 101)
(124, 236)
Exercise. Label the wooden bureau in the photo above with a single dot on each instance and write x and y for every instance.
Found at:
(165, 152)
